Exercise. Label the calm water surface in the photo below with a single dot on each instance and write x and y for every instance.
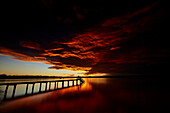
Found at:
(98, 95)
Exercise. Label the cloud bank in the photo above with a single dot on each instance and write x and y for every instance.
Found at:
(94, 38)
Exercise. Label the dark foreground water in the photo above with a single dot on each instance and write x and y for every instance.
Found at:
(98, 95)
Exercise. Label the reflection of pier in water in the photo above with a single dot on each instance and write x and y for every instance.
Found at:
(75, 82)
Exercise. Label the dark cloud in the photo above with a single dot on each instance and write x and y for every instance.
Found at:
(123, 37)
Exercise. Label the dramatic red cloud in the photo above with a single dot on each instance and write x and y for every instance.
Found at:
(70, 67)
(31, 45)
(22, 57)
(115, 40)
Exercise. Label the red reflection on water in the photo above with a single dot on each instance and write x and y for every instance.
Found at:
(73, 99)
(97, 96)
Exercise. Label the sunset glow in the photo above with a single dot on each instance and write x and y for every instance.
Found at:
(84, 56)
(15, 67)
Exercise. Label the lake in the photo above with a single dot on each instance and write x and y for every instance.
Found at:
(98, 95)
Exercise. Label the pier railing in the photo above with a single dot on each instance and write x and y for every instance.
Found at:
(75, 82)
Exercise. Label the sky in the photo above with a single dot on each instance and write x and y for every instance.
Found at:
(15, 67)
(116, 37)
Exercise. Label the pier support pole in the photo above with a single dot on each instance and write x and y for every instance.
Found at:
(57, 85)
(77, 82)
(73, 83)
(6, 92)
(62, 84)
(32, 88)
(46, 86)
(81, 81)
(14, 91)
(40, 87)
(68, 83)
(26, 89)
(49, 85)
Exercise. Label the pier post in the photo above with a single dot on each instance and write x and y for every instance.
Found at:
(81, 81)
(6, 92)
(46, 86)
(33, 88)
(14, 91)
(76, 81)
(26, 89)
(68, 83)
(57, 85)
(73, 83)
(62, 84)
(49, 85)
(40, 87)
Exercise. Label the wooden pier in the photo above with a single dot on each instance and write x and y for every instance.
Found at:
(75, 82)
